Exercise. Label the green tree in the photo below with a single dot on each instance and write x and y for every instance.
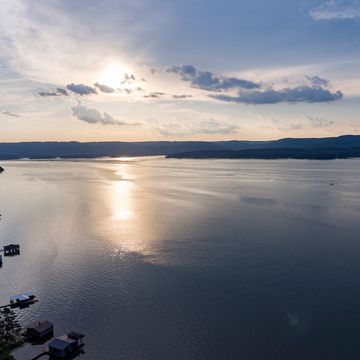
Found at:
(9, 332)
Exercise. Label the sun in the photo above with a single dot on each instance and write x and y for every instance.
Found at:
(114, 75)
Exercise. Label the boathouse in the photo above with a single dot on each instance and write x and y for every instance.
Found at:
(11, 250)
(66, 345)
(39, 329)
(22, 298)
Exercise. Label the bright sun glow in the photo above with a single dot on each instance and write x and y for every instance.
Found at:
(114, 75)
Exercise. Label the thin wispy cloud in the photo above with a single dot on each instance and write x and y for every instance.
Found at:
(182, 96)
(286, 127)
(317, 122)
(317, 81)
(104, 88)
(337, 10)
(10, 113)
(48, 94)
(182, 127)
(156, 94)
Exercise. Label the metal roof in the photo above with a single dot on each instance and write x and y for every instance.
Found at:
(59, 344)
(40, 326)
(21, 297)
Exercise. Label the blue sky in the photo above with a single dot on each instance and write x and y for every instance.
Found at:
(171, 70)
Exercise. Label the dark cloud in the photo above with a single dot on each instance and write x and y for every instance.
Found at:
(316, 122)
(207, 80)
(93, 116)
(155, 94)
(9, 113)
(288, 95)
(62, 91)
(104, 88)
(59, 92)
(45, 94)
(182, 96)
(81, 89)
(318, 81)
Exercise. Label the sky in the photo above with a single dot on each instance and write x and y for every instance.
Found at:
(136, 70)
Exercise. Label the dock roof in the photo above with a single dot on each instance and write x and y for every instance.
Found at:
(21, 297)
(59, 343)
(40, 326)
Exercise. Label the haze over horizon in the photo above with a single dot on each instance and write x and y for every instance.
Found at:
(193, 70)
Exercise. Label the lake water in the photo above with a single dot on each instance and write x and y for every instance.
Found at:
(161, 259)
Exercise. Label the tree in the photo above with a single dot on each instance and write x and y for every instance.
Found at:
(9, 332)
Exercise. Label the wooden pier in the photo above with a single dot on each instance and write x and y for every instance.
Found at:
(41, 354)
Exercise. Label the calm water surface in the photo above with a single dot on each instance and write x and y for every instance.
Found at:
(181, 259)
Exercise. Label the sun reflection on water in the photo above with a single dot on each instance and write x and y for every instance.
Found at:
(122, 198)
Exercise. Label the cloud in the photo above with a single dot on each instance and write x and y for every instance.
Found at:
(93, 116)
(9, 113)
(182, 96)
(316, 122)
(287, 127)
(59, 92)
(155, 94)
(209, 81)
(104, 88)
(288, 95)
(337, 9)
(128, 78)
(81, 89)
(176, 127)
(45, 94)
(317, 81)
(62, 91)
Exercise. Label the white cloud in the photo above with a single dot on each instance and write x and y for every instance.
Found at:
(93, 116)
(337, 9)
(184, 127)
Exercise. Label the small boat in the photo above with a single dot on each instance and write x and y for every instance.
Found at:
(22, 299)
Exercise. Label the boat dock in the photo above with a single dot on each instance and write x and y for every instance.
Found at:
(30, 302)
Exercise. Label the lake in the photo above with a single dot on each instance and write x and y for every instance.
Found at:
(155, 258)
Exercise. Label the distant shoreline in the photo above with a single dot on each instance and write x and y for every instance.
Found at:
(341, 147)
(273, 154)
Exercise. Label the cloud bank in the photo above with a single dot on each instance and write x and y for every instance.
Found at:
(288, 95)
